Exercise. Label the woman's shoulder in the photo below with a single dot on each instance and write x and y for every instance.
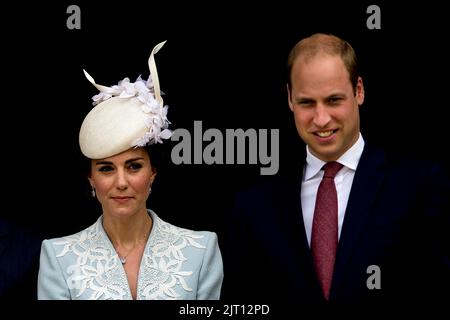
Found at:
(168, 231)
(79, 236)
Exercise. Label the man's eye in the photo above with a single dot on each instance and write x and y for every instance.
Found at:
(305, 103)
(334, 100)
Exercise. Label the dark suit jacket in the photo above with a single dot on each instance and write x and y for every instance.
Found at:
(397, 218)
(19, 262)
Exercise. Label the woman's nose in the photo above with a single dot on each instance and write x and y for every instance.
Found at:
(121, 180)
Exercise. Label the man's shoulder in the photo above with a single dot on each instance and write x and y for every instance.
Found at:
(266, 196)
(404, 169)
(269, 186)
(403, 161)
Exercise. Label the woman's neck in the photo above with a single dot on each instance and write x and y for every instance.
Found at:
(129, 231)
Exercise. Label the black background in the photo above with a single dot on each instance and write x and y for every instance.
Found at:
(223, 64)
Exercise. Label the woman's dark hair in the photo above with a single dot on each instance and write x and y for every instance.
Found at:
(158, 154)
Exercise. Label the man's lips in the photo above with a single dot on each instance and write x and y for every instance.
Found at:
(325, 133)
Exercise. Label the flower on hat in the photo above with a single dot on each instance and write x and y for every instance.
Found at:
(156, 114)
(148, 94)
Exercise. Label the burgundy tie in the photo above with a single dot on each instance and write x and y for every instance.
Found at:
(324, 237)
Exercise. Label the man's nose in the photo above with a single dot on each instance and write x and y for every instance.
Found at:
(321, 116)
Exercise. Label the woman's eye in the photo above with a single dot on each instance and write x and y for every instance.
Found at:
(105, 169)
(135, 166)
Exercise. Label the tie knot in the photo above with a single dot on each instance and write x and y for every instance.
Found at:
(331, 169)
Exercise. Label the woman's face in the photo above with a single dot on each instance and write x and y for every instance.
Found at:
(122, 182)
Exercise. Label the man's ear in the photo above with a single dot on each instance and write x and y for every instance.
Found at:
(360, 91)
(289, 97)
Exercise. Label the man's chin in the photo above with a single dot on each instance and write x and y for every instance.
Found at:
(326, 153)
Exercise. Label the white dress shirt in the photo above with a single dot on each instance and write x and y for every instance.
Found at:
(312, 176)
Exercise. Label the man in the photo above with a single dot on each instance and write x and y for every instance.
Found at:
(354, 224)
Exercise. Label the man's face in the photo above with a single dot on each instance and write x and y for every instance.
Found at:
(326, 110)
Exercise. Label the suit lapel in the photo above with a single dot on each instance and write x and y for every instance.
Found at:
(291, 218)
(366, 183)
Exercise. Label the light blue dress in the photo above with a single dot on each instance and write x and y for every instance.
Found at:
(177, 264)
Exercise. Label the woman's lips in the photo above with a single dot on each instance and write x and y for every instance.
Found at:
(122, 199)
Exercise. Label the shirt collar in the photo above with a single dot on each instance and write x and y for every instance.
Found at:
(349, 159)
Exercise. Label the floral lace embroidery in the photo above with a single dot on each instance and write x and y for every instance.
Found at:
(98, 269)
(163, 260)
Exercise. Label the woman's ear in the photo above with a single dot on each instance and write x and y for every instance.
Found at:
(152, 178)
(91, 182)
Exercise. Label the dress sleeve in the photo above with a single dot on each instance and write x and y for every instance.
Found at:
(51, 282)
(211, 273)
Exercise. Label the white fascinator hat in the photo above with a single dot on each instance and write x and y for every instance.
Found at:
(126, 115)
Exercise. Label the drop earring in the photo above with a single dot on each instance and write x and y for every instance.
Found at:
(150, 190)
(93, 192)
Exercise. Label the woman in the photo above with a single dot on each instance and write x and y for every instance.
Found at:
(129, 253)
